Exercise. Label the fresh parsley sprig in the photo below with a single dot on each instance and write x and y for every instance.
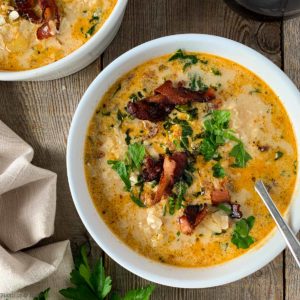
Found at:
(93, 284)
(241, 237)
(42, 295)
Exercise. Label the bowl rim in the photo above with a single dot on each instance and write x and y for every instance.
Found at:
(163, 274)
(74, 56)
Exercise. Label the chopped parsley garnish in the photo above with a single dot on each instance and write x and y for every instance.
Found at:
(136, 153)
(188, 60)
(218, 170)
(186, 131)
(121, 116)
(225, 207)
(134, 97)
(134, 158)
(240, 154)
(216, 133)
(123, 171)
(91, 30)
(137, 200)
(117, 89)
(181, 188)
(278, 155)
(216, 71)
(255, 91)
(191, 111)
(240, 236)
(127, 136)
(196, 83)
(105, 113)
(172, 203)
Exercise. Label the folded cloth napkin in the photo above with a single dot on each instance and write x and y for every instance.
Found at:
(27, 212)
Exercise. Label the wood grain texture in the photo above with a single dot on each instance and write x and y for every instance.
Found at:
(146, 20)
(291, 59)
(41, 113)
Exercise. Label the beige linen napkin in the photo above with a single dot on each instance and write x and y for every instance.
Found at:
(27, 212)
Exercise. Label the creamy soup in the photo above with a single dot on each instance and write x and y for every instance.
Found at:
(36, 33)
(172, 154)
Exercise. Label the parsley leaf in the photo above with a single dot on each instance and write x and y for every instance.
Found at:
(187, 59)
(278, 155)
(196, 83)
(172, 203)
(240, 154)
(137, 200)
(136, 153)
(216, 71)
(241, 237)
(93, 284)
(188, 109)
(181, 188)
(42, 295)
(218, 171)
(123, 171)
(89, 283)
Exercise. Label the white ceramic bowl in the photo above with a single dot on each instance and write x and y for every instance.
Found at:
(78, 59)
(117, 250)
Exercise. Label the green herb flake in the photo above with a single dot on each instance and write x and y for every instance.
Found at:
(188, 60)
(123, 171)
(192, 112)
(171, 202)
(136, 153)
(121, 116)
(91, 30)
(216, 71)
(255, 91)
(127, 137)
(241, 155)
(181, 188)
(225, 207)
(196, 83)
(218, 171)
(240, 236)
(278, 155)
(137, 200)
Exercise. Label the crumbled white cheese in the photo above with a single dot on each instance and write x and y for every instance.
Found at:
(13, 15)
(2, 20)
(153, 221)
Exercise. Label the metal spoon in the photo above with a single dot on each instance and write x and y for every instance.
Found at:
(290, 238)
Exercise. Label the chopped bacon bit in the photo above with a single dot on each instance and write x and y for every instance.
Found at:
(49, 13)
(173, 168)
(220, 196)
(155, 108)
(181, 162)
(182, 95)
(192, 217)
(185, 226)
(152, 169)
(150, 111)
(166, 181)
(235, 211)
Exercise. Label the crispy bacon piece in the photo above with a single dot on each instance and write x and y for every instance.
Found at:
(182, 95)
(166, 181)
(235, 211)
(155, 108)
(173, 168)
(192, 217)
(150, 111)
(181, 162)
(42, 12)
(220, 196)
(152, 169)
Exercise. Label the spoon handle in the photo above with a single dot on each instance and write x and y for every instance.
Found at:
(290, 238)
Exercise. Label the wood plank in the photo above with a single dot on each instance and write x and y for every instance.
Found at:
(291, 33)
(146, 20)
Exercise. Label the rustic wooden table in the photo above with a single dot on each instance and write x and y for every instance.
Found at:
(41, 112)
